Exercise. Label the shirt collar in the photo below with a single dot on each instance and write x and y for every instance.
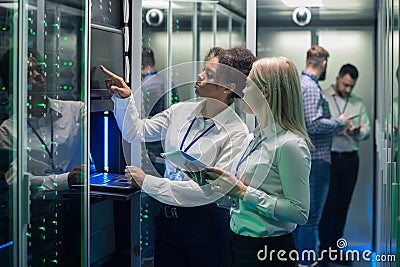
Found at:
(54, 104)
(220, 119)
(270, 131)
(332, 92)
(310, 75)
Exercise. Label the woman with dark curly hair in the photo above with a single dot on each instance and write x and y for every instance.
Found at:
(191, 229)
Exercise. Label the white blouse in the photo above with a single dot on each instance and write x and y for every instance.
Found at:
(218, 147)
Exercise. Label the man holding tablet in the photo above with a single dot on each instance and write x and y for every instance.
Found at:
(344, 155)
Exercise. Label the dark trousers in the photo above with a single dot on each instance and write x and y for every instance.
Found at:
(260, 252)
(191, 237)
(344, 171)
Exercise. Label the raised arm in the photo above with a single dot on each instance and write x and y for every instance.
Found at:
(134, 128)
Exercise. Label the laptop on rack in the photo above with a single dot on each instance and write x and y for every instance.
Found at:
(105, 181)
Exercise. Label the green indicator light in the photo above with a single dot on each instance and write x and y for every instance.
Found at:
(147, 93)
(70, 88)
(42, 228)
(28, 234)
(65, 38)
(55, 64)
(65, 63)
(145, 216)
(33, 33)
(70, 63)
(41, 105)
(54, 222)
(65, 87)
(53, 143)
(4, 28)
(177, 20)
(41, 145)
(41, 187)
(54, 261)
(3, 88)
(29, 19)
(28, 148)
(54, 24)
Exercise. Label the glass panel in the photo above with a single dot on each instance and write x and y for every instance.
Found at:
(154, 100)
(55, 134)
(238, 34)
(205, 29)
(177, 32)
(358, 230)
(395, 133)
(8, 31)
(396, 114)
(292, 44)
(223, 35)
(182, 47)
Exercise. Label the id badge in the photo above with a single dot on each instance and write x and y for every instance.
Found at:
(176, 176)
(54, 171)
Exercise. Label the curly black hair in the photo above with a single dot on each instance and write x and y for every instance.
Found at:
(239, 59)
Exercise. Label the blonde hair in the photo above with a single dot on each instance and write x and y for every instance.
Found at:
(278, 80)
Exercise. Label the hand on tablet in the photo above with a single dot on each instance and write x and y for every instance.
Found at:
(353, 130)
(225, 182)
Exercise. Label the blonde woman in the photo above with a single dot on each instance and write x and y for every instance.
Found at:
(270, 180)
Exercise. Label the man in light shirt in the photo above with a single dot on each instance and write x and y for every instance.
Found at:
(344, 155)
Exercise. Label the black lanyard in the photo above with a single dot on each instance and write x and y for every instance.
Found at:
(337, 105)
(51, 150)
(245, 156)
(197, 138)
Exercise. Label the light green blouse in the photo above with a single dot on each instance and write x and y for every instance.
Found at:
(277, 175)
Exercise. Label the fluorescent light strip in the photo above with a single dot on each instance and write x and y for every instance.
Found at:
(6, 244)
(106, 167)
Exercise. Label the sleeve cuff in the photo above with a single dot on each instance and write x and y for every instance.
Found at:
(265, 204)
(121, 103)
(151, 184)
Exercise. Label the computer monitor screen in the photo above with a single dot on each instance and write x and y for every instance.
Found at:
(107, 49)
